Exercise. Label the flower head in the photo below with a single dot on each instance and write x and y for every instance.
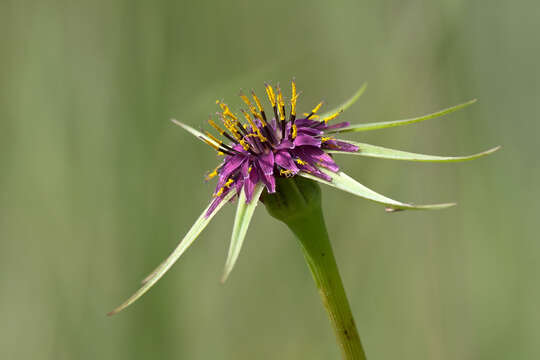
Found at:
(257, 147)
(261, 148)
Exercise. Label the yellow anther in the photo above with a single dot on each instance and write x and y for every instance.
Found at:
(213, 174)
(259, 106)
(216, 126)
(281, 104)
(300, 162)
(294, 131)
(213, 138)
(230, 126)
(254, 127)
(216, 147)
(226, 110)
(293, 98)
(246, 100)
(271, 95)
(244, 144)
(227, 185)
(251, 107)
(287, 173)
(233, 125)
(317, 108)
(332, 117)
(257, 101)
(326, 138)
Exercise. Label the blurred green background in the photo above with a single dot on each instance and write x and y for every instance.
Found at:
(97, 185)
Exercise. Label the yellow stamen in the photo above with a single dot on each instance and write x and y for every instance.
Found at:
(216, 126)
(317, 108)
(213, 138)
(213, 174)
(232, 128)
(271, 95)
(233, 125)
(300, 162)
(227, 184)
(281, 105)
(285, 172)
(216, 147)
(257, 101)
(332, 117)
(226, 110)
(259, 106)
(294, 131)
(326, 138)
(251, 107)
(254, 127)
(293, 98)
(246, 100)
(244, 144)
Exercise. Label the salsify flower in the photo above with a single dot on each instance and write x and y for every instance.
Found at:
(257, 147)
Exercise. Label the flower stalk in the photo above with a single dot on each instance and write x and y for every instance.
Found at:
(297, 203)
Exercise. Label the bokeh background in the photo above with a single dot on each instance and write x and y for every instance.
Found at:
(97, 186)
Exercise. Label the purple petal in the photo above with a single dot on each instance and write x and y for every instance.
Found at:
(267, 179)
(338, 125)
(316, 156)
(309, 131)
(314, 171)
(250, 182)
(213, 206)
(216, 202)
(305, 123)
(245, 169)
(266, 163)
(285, 144)
(231, 164)
(285, 160)
(302, 140)
(339, 145)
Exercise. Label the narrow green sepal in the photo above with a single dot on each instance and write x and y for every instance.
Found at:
(344, 182)
(386, 153)
(388, 124)
(186, 242)
(244, 213)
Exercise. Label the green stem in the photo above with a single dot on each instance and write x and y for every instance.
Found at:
(297, 204)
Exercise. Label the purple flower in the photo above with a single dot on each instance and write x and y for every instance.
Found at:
(262, 148)
(257, 147)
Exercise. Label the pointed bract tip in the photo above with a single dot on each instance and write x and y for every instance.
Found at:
(114, 312)
(224, 278)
